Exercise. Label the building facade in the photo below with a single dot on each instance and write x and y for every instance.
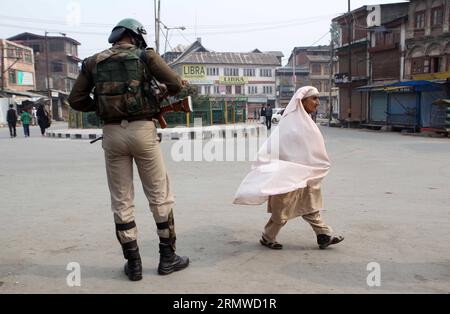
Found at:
(352, 53)
(62, 60)
(428, 40)
(17, 67)
(320, 65)
(288, 83)
(244, 80)
(56, 58)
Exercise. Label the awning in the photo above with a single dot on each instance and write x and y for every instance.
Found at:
(444, 102)
(420, 86)
(24, 94)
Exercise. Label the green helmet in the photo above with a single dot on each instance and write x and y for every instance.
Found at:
(136, 28)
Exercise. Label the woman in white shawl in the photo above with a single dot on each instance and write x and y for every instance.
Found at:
(289, 171)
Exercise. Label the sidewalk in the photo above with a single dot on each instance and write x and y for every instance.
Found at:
(178, 133)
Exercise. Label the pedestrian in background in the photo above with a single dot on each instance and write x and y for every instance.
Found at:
(263, 114)
(11, 118)
(44, 119)
(289, 171)
(26, 118)
(34, 115)
(269, 115)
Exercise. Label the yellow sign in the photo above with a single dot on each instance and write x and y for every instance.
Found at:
(233, 80)
(194, 72)
(432, 76)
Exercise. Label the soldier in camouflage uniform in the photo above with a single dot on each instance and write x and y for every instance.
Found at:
(120, 79)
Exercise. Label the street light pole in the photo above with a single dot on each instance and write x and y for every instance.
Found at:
(167, 32)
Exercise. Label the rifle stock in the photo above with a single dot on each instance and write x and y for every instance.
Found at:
(182, 105)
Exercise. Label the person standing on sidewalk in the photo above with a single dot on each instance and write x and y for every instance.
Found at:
(289, 171)
(263, 114)
(11, 118)
(26, 117)
(269, 115)
(121, 77)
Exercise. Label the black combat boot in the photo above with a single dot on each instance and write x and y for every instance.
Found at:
(170, 262)
(133, 268)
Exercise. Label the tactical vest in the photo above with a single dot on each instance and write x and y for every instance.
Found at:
(122, 86)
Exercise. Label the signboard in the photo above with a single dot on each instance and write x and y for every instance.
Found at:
(341, 78)
(192, 71)
(25, 78)
(201, 82)
(233, 80)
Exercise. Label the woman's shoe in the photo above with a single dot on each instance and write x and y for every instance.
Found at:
(325, 241)
(271, 245)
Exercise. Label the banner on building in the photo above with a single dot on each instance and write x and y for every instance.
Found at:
(25, 78)
(233, 80)
(192, 71)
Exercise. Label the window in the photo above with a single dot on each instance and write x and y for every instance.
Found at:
(12, 77)
(27, 57)
(252, 90)
(437, 16)
(216, 90)
(72, 67)
(69, 85)
(231, 72)
(316, 84)
(238, 90)
(208, 90)
(229, 90)
(250, 72)
(36, 48)
(316, 69)
(212, 71)
(57, 66)
(265, 73)
(56, 46)
(435, 64)
(417, 65)
(420, 20)
(326, 69)
(426, 66)
(268, 90)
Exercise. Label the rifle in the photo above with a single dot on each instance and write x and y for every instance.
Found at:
(182, 105)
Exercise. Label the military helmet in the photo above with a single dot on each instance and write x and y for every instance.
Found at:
(132, 25)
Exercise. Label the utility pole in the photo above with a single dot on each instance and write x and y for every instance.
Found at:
(3, 66)
(294, 71)
(49, 92)
(331, 76)
(350, 78)
(157, 8)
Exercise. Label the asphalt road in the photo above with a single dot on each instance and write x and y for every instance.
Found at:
(388, 194)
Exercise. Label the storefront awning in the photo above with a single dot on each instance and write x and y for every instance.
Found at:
(420, 86)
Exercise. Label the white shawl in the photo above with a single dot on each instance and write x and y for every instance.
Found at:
(293, 157)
